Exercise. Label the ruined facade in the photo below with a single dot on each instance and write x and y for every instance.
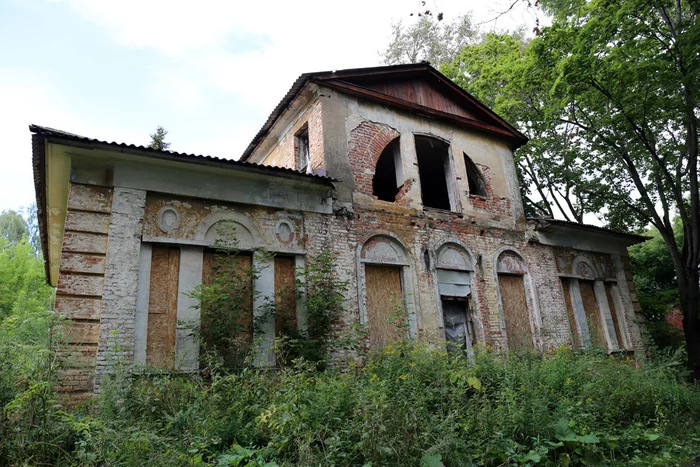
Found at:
(408, 179)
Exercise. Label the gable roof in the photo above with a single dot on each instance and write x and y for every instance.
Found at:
(418, 88)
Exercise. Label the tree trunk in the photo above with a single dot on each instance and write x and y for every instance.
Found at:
(690, 305)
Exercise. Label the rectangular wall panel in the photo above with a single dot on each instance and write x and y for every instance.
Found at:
(576, 339)
(285, 297)
(595, 327)
(162, 307)
(233, 306)
(516, 314)
(384, 299)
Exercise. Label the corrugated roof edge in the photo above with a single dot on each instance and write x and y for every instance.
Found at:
(192, 158)
(542, 223)
(305, 77)
(38, 165)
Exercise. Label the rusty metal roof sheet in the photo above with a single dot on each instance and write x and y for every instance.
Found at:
(542, 223)
(175, 156)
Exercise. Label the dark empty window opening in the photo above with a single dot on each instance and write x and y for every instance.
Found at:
(433, 167)
(386, 183)
(477, 186)
(301, 149)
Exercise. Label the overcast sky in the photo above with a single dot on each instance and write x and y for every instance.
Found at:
(210, 72)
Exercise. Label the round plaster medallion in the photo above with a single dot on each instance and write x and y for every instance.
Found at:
(168, 219)
(285, 232)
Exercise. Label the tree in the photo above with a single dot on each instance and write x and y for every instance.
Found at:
(656, 286)
(158, 140)
(625, 75)
(609, 97)
(501, 70)
(13, 227)
(428, 39)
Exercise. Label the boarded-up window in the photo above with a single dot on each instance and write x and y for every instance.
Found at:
(613, 313)
(162, 307)
(285, 296)
(227, 308)
(385, 305)
(518, 330)
(590, 306)
(570, 313)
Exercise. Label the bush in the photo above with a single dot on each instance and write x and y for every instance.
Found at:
(409, 405)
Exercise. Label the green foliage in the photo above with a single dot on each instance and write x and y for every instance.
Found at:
(23, 286)
(158, 140)
(13, 227)
(656, 286)
(428, 38)
(409, 405)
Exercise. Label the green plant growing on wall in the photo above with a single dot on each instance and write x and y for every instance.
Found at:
(323, 294)
(225, 301)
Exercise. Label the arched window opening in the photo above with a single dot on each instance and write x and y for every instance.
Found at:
(477, 185)
(511, 271)
(434, 168)
(388, 173)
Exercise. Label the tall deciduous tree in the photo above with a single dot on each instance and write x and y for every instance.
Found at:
(430, 39)
(502, 71)
(158, 139)
(626, 76)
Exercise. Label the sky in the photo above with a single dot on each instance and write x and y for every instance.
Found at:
(208, 71)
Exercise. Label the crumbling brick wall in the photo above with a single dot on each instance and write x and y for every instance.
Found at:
(284, 153)
(79, 292)
(367, 141)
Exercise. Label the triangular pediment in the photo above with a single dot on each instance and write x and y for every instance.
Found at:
(417, 88)
(423, 93)
(423, 90)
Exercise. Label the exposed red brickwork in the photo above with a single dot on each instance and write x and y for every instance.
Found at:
(491, 203)
(79, 289)
(367, 141)
(284, 153)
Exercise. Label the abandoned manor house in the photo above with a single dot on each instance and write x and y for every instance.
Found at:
(404, 176)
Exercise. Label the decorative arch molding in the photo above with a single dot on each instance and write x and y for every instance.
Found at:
(452, 255)
(384, 248)
(583, 268)
(211, 229)
(509, 260)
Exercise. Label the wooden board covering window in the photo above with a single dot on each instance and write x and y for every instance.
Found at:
(285, 297)
(162, 307)
(215, 263)
(590, 306)
(570, 313)
(384, 297)
(613, 314)
(515, 310)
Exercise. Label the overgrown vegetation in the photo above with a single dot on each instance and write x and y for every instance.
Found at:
(409, 405)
